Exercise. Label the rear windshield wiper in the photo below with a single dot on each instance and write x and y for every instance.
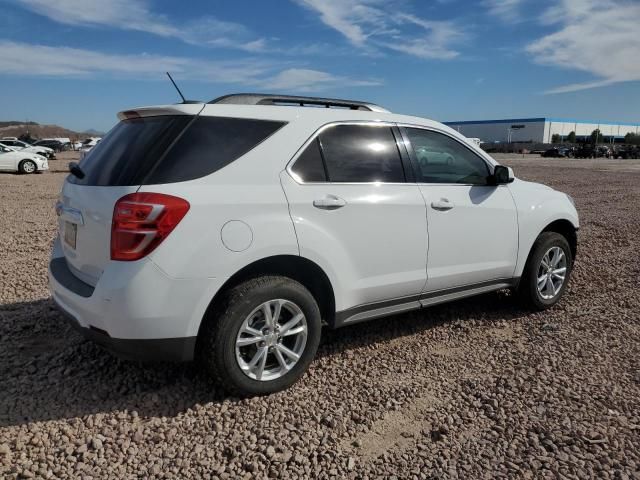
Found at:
(75, 170)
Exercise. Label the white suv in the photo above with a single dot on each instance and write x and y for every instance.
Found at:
(229, 232)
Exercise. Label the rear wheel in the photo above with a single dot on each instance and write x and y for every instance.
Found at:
(262, 337)
(27, 166)
(547, 271)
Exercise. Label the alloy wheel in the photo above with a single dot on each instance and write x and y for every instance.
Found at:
(552, 272)
(271, 340)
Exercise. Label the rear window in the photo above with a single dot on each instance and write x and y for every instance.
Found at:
(168, 149)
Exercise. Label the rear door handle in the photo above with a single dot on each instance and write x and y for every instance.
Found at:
(329, 202)
(442, 204)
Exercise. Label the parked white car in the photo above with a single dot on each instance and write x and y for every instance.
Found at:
(88, 145)
(20, 161)
(229, 232)
(26, 147)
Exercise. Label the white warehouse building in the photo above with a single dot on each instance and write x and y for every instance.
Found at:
(540, 130)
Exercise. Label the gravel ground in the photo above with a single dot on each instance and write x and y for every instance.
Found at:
(474, 389)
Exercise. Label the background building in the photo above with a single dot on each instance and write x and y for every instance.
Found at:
(541, 130)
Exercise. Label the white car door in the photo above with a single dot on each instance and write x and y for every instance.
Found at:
(473, 226)
(357, 216)
(8, 159)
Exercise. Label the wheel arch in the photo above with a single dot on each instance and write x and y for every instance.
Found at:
(23, 161)
(565, 228)
(300, 269)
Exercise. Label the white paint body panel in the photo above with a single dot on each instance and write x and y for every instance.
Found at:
(538, 206)
(93, 237)
(476, 240)
(10, 160)
(385, 243)
(375, 247)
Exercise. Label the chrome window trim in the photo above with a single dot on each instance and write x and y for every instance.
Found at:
(314, 135)
(385, 123)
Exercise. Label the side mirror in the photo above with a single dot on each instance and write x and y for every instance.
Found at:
(501, 175)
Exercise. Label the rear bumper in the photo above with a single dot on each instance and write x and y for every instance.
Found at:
(135, 310)
(161, 349)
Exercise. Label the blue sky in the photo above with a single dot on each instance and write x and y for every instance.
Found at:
(76, 63)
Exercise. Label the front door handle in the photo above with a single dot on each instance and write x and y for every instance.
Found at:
(443, 204)
(329, 202)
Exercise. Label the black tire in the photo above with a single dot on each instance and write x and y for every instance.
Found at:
(528, 288)
(27, 166)
(216, 348)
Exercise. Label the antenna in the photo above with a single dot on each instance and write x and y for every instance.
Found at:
(184, 100)
(176, 86)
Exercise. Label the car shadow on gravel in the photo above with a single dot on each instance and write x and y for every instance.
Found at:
(49, 372)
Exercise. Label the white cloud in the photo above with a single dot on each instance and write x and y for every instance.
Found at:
(307, 80)
(135, 15)
(372, 25)
(41, 60)
(506, 10)
(598, 37)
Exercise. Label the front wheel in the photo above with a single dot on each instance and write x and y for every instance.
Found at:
(262, 336)
(547, 271)
(27, 166)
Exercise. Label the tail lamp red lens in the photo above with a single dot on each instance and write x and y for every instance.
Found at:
(141, 222)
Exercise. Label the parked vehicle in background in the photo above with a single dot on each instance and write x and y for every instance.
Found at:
(604, 151)
(228, 232)
(24, 146)
(20, 161)
(587, 150)
(55, 145)
(559, 152)
(64, 142)
(88, 145)
(626, 151)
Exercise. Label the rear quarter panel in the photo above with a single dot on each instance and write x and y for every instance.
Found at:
(248, 190)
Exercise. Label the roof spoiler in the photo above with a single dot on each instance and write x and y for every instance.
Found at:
(292, 100)
(175, 109)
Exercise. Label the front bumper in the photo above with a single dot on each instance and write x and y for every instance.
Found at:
(135, 310)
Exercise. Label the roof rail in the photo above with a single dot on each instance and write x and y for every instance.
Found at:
(268, 99)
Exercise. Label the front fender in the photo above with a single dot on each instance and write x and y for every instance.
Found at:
(538, 206)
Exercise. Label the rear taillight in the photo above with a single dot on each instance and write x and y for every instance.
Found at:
(141, 221)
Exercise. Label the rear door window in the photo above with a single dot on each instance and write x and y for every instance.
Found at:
(309, 166)
(361, 154)
(168, 149)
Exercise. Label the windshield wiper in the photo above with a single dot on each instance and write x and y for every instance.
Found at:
(75, 170)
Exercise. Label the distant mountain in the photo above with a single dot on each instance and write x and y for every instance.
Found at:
(94, 133)
(35, 130)
(11, 123)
